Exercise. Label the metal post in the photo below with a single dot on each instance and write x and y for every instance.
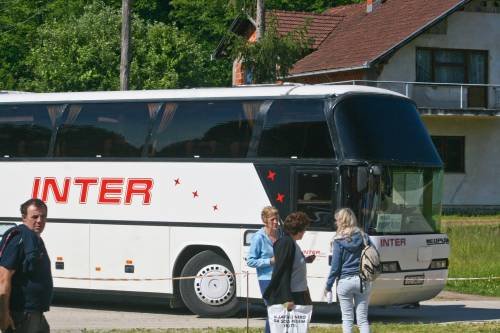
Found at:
(461, 96)
(248, 308)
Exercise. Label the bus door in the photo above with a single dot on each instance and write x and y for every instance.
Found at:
(315, 193)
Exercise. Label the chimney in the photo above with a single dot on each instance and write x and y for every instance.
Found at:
(371, 5)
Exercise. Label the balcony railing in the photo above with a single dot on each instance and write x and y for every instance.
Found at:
(442, 95)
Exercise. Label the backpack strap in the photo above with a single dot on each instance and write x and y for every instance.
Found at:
(365, 244)
(365, 238)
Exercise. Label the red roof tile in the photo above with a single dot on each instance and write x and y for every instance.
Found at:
(319, 26)
(363, 37)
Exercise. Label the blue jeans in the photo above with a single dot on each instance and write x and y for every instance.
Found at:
(263, 286)
(350, 298)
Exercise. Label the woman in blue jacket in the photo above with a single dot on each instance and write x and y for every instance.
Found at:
(260, 255)
(351, 290)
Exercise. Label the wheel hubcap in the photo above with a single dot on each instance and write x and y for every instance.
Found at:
(214, 284)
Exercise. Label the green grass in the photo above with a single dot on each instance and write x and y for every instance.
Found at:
(378, 328)
(475, 252)
(470, 218)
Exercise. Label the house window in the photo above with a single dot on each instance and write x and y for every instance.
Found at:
(452, 152)
(451, 66)
(456, 66)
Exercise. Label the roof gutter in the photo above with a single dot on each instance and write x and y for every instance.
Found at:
(418, 32)
(329, 71)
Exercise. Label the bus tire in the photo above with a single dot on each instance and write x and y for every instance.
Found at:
(213, 292)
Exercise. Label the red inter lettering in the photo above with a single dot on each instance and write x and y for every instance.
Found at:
(50, 183)
(111, 190)
(139, 186)
(392, 242)
(36, 188)
(84, 183)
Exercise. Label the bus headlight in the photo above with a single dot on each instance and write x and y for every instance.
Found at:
(439, 264)
(390, 267)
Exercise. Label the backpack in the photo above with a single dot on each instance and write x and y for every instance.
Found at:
(369, 263)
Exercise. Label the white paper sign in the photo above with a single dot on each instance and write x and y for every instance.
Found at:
(389, 222)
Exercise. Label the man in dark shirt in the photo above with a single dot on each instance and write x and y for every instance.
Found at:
(25, 276)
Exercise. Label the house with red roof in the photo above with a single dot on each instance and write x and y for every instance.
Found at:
(444, 54)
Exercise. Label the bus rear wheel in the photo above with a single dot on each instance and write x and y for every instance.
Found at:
(212, 293)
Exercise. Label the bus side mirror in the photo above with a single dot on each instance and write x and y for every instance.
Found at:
(362, 178)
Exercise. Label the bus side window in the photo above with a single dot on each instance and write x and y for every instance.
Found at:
(25, 130)
(205, 129)
(298, 128)
(103, 129)
(315, 197)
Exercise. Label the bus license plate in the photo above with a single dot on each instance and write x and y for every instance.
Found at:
(413, 280)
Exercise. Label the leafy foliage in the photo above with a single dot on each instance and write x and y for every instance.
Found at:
(80, 53)
(18, 22)
(208, 25)
(165, 57)
(272, 56)
(83, 53)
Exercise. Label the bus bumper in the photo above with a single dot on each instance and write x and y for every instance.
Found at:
(407, 287)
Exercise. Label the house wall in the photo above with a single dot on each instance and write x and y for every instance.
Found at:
(465, 30)
(238, 69)
(479, 187)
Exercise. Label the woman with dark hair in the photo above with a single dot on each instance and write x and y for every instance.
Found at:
(288, 285)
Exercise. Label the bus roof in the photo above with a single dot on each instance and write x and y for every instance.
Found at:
(254, 91)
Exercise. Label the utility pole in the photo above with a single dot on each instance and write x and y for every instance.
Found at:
(260, 19)
(125, 50)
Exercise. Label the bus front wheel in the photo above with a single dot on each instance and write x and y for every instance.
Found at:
(212, 290)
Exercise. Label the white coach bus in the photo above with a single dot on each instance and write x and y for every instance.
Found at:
(146, 186)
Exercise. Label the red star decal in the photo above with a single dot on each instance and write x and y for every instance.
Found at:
(195, 194)
(215, 207)
(177, 181)
(280, 197)
(271, 175)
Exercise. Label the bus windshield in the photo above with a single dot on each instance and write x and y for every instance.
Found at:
(394, 200)
(383, 128)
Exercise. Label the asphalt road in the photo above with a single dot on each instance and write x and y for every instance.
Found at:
(74, 317)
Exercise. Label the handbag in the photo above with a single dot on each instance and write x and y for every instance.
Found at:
(283, 321)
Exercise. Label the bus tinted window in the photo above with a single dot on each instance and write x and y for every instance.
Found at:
(314, 197)
(296, 128)
(382, 128)
(106, 129)
(25, 130)
(205, 129)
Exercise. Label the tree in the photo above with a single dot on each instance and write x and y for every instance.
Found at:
(83, 53)
(272, 57)
(208, 25)
(77, 53)
(165, 57)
